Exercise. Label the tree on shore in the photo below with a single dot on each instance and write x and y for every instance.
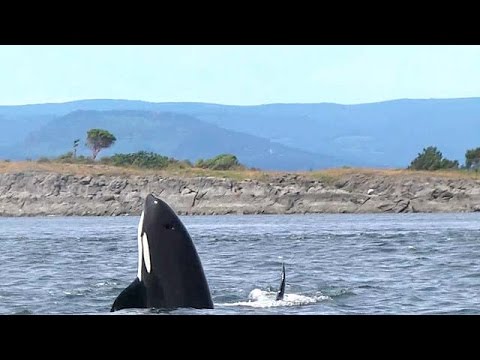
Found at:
(432, 159)
(472, 158)
(98, 139)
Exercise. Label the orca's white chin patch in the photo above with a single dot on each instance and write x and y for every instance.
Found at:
(146, 253)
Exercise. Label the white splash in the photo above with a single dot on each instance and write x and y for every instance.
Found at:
(264, 299)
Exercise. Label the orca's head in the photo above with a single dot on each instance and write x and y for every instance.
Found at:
(160, 233)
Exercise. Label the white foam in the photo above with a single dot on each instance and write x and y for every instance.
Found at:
(146, 253)
(264, 299)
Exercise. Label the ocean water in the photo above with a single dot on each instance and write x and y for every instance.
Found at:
(335, 264)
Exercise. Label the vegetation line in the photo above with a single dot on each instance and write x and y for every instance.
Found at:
(224, 165)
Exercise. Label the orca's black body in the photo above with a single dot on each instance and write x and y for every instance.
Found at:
(170, 274)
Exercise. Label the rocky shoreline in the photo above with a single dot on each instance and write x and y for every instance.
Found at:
(34, 193)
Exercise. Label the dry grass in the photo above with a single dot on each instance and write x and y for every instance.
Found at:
(75, 169)
(99, 169)
(337, 173)
(328, 175)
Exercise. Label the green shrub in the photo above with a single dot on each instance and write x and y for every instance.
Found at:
(140, 159)
(65, 158)
(43, 159)
(83, 160)
(220, 162)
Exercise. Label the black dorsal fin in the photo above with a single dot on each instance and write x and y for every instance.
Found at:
(281, 291)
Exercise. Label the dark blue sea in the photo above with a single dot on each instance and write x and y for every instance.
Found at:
(335, 264)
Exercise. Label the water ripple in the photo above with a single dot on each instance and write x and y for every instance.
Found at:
(335, 264)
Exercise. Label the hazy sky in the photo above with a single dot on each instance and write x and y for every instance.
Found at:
(237, 75)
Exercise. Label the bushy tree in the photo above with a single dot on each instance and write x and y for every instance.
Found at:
(432, 159)
(98, 139)
(472, 158)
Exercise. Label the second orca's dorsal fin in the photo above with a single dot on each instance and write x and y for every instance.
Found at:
(281, 291)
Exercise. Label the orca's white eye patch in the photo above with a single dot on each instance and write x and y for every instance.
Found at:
(146, 253)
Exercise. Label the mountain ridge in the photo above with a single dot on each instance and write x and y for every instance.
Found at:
(379, 134)
(170, 134)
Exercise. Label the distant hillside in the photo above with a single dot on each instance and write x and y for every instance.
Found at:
(14, 129)
(385, 134)
(174, 135)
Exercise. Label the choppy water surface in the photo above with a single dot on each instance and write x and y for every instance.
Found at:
(335, 264)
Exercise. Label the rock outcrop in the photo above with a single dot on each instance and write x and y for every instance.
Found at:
(48, 193)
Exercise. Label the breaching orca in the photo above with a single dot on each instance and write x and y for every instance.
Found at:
(281, 291)
(170, 274)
